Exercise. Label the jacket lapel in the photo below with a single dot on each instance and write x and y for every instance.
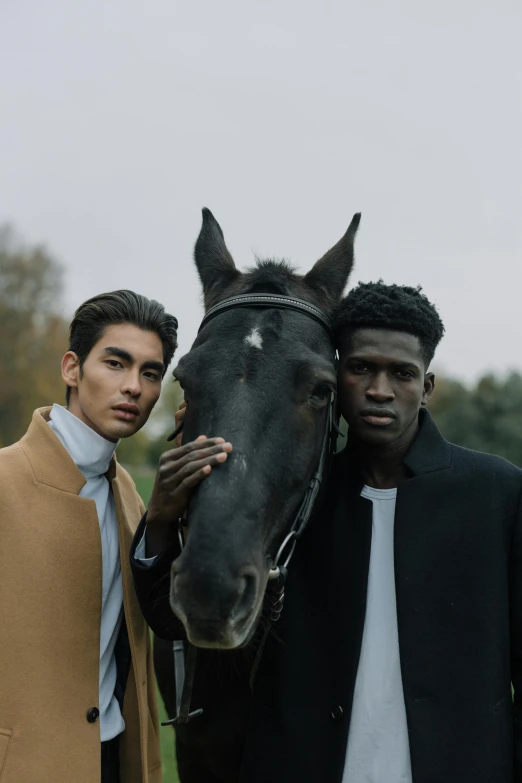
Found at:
(125, 498)
(351, 536)
(429, 451)
(416, 532)
(128, 514)
(50, 461)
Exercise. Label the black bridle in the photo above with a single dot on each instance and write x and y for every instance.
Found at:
(279, 563)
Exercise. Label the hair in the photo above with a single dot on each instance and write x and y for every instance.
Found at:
(93, 317)
(396, 307)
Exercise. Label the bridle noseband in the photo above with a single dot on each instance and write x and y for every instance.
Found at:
(279, 564)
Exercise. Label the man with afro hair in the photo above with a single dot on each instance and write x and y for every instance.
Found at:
(402, 624)
(399, 308)
(402, 630)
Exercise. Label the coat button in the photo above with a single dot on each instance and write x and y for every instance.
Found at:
(93, 714)
(337, 712)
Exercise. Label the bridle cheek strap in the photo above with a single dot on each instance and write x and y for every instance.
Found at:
(307, 506)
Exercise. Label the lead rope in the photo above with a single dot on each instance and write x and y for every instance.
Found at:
(183, 672)
(184, 679)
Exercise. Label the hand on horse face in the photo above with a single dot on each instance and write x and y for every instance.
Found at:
(180, 471)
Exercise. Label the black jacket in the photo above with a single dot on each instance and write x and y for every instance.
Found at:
(458, 573)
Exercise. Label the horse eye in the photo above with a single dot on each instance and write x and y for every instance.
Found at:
(321, 393)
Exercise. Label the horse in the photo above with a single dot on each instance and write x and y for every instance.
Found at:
(263, 378)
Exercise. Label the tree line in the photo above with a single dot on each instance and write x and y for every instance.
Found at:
(33, 337)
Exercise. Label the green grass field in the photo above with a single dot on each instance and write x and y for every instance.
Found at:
(144, 484)
(170, 771)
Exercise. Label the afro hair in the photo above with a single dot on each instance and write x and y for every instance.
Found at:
(396, 307)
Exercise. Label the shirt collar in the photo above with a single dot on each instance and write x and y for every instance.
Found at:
(89, 451)
(429, 452)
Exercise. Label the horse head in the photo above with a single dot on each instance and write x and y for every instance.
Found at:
(262, 378)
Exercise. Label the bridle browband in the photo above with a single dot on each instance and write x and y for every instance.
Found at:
(278, 570)
(279, 301)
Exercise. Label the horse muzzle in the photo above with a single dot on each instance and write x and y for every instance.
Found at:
(218, 609)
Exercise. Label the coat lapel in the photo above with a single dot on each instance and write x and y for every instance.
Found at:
(127, 508)
(416, 533)
(50, 461)
(128, 514)
(429, 451)
(351, 535)
(53, 466)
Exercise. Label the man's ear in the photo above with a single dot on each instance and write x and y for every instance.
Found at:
(71, 369)
(429, 388)
(215, 265)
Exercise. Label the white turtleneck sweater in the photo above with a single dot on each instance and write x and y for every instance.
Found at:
(92, 455)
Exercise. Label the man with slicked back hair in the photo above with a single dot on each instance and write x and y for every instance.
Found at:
(77, 689)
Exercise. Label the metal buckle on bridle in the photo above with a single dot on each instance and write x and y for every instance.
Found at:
(275, 569)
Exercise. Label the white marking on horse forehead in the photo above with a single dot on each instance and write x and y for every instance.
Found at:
(254, 339)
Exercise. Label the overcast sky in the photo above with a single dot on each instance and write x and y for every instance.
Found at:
(121, 119)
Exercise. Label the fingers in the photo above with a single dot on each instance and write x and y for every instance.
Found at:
(194, 466)
(177, 487)
(173, 473)
(180, 470)
(191, 481)
(200, 444)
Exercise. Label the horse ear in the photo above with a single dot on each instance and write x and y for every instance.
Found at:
(215, 265)
(330, 274)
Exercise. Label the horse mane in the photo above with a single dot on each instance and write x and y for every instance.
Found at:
(274, 276)
(271, 274)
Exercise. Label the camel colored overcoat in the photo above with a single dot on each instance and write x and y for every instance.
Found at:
(50, 610)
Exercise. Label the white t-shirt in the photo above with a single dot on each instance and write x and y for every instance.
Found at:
(378, 749)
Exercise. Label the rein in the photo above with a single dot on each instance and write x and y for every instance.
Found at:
(184, 676)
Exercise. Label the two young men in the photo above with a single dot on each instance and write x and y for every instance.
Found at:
(402, 628)
(77, 688)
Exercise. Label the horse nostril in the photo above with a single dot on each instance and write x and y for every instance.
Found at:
(248, 591)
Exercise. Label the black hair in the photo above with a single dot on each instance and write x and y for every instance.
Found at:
(93, 317)
(396, 307)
